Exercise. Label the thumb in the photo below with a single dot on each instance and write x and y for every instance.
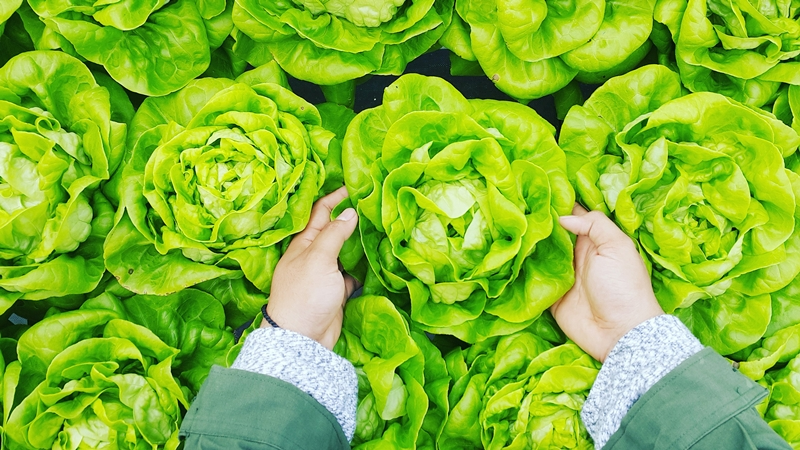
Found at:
(330, 239)
(599, 228)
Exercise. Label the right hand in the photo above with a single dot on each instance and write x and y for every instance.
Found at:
(308, 289)
(612, 292)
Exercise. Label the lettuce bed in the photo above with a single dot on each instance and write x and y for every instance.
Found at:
(155, 164)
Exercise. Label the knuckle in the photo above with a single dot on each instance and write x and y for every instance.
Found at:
(317, 207)
(596, 215)
(339, 225)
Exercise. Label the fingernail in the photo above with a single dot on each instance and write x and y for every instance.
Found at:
(347, 214)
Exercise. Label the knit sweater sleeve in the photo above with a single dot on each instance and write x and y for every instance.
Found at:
(639, 360)
(327, 377)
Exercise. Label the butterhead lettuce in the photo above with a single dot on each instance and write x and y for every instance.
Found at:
(402, 378)
(90, 379)
(458, 203)
(699, 182)
(221, 173)
(152, 47)
(61, 136)
(333, 42)
(741, 49)
(518, 391)
(532, 48)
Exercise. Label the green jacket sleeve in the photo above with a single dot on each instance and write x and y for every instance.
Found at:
(704, 403)
(236, 409)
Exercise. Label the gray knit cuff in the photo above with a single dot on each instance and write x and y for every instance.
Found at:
(296, 359)
(639, 360)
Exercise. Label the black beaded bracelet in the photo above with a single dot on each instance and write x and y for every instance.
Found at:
(267, 317)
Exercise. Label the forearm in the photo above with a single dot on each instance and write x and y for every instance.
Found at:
(298, 360)
(638, 361)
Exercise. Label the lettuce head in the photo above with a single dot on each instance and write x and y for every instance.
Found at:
(518, 391)
(61, 136)
(336, 41)
(152, 47)
(90, 379)
(532, 48)
(700, 183)
(221, 173)
(402, 378)
(458, 203)
(743, 49)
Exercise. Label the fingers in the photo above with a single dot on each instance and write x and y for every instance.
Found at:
(328, 243)
(579, 210)
(584, 248)
(599, 228)
(555, 307)
(320, 217)
(350, 286)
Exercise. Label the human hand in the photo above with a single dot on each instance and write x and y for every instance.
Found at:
(612, 292)
(308, 291)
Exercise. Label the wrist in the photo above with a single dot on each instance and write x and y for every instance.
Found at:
(273, 317)
(285, 321)
(267, 321)
(623, 330)
(612, 342)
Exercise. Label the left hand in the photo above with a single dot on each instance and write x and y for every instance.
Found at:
(308, 290)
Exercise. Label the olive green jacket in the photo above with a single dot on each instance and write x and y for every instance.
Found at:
(237, 410)
(702, 404)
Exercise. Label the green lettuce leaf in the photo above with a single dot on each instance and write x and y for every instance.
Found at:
(336, 118)
(7, 8)
(14, 39)
(9, 370)
(458, 203)
(781, 341)
(787, 108)
(225, 62)
(783, 408)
